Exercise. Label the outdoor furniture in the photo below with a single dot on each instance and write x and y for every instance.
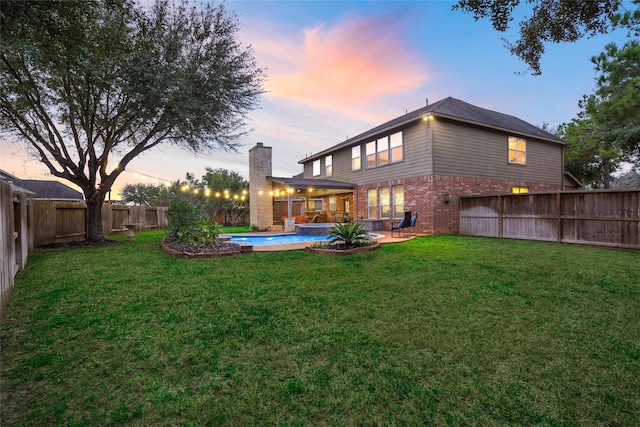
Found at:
(300, 219)
(408, 221)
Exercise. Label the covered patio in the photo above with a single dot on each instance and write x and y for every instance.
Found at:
(311, 200)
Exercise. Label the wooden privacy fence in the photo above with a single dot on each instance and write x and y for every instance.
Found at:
(602, 218)
(15, 242)
(58, 221)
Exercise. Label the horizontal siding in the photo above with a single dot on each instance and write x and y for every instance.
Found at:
(465, 150)
(416, 160)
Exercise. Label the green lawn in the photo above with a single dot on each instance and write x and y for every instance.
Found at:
(438, 330)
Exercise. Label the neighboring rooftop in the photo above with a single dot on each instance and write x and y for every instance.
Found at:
(453, 109)
(43, 189)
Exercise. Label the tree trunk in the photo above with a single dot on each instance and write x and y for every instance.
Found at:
(606, 173)
(94, 217)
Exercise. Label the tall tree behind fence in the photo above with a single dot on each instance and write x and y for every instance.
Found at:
(601, 218)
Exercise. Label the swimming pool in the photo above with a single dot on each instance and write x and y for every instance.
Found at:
(278, 239)
(282, 239)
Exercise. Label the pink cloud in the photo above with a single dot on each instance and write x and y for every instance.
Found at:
(357, 61)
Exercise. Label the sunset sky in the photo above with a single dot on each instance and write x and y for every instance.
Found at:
(336, 69)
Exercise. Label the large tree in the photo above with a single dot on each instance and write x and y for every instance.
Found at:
(223, 194)
(554, 21)
(607, 130)
(147, 194)
(85, 82)
(589, 156)
(615, 107)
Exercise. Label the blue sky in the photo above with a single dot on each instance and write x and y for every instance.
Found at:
(337, 68)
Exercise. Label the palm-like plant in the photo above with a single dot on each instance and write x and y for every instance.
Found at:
(351, 233)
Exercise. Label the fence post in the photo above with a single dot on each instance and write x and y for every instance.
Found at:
(500, 213)
(559, 216)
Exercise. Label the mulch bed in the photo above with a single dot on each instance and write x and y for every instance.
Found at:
(342, 249)
(174, 247)
(82, 244)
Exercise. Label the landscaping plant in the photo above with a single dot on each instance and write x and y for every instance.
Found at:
(350, 233)
(187, 223)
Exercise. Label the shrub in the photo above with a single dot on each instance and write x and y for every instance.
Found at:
(200, 234)
(351, 233)
(182, 215)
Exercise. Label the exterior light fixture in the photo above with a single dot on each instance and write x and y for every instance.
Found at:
(446, 198)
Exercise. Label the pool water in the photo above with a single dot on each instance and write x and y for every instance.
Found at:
(278, 239)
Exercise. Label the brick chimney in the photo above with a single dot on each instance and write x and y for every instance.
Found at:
(260, 201)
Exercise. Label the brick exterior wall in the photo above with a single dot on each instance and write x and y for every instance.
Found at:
(425, 195)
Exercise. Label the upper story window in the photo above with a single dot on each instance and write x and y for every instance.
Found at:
(316, 167)
(385, 150)
(328, 165)
(519, 190)
(395, 141)
(517, 151)
(370, 152)
(356, 162)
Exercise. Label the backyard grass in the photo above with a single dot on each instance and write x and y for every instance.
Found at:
(435, 331)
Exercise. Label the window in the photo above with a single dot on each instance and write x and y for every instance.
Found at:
(356, 164)
(398, 201)
(385, 203)
(395, 141)
(328, 165)
(383, 151)
(372, 203)
(316, 167)
(517, 151)
(518, 190)
(332, 203)
(370, 152)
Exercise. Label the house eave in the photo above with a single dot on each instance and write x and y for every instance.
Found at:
(302, 183)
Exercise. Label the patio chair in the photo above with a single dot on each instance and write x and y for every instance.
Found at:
(406, 222)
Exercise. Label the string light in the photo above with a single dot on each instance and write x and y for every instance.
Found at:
(207, 192)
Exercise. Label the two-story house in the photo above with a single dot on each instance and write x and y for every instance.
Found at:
(423, 162)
